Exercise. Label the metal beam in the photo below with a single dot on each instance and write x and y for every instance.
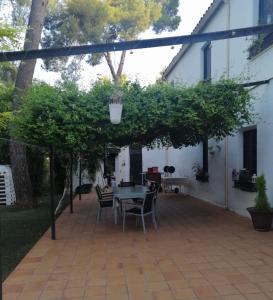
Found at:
(136, 44)
(80, 178)
(255, 83)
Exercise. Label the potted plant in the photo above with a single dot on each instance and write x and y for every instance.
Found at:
(262, 212)
(200, 173)
(246, 182)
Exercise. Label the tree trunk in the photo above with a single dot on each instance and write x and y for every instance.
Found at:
(65, 191)
(24, 78)
(116, 75)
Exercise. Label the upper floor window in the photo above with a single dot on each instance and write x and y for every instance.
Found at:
(266, 11)
(207, 62)
(207, 78)
(263, 41)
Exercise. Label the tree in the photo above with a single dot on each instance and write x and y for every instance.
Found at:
(9, 39)
(161, 114)
(178, 116)
(23, 81)
(85, 21)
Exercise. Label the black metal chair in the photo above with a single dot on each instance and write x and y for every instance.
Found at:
(105, 199)
(141, 209)
(155, 187)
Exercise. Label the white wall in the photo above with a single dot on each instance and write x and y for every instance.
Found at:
(154, 158)
(229, 58)
(122, 165)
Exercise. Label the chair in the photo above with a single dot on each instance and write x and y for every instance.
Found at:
(126, 183)
(105, 199)
(141, 209)
(155, 187)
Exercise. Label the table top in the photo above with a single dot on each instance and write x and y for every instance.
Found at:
(175, 180)
(130, 192)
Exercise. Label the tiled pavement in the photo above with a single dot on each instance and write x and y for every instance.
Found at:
(199, 252)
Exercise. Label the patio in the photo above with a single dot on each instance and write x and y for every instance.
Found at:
(199, 252)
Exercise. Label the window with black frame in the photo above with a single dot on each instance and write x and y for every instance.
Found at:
(265, 11)
(262, 41)
(247, 176)
(207, 62)
(250, 151)
(206, 78)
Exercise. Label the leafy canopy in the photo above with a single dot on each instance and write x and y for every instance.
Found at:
(180, 116)
(72, 22)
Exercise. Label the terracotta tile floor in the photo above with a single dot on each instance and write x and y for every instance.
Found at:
(199, 252)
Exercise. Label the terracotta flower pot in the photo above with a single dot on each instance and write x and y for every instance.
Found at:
(262, 220)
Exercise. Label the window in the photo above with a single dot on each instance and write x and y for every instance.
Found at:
(263, 41)
(207, 62)
(205, 156)
(207, 78)
(250, 150)
(266, 11)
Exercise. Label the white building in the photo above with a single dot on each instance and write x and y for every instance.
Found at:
(251, 148)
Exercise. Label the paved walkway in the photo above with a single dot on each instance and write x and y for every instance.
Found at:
(199, 252)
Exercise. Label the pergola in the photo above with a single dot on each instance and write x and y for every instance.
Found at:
(119, 46)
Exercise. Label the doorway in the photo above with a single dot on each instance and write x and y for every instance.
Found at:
(136, 163)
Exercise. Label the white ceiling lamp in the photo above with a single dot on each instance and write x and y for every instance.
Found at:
(115, 107)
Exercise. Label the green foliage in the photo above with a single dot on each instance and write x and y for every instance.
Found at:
(8, 37)
(9, 40)
(36, 162)
(75, 120)
(181, 116)
(87, 21)
(5, 108)
(261, 199)
(169, 20)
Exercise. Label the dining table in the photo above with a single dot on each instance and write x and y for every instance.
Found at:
(125, 193)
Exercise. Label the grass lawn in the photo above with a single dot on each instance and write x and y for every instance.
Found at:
(21, 229)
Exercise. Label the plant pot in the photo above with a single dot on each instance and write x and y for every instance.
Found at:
(262, 220)
(115, 112)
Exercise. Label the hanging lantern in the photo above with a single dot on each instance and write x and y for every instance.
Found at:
(115, 107)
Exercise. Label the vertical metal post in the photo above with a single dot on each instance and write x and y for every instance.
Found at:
(80, 178)
(71, 182)
(226, 175)
(52, 206)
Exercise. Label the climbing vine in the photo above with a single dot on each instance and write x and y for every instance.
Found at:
(68, 118)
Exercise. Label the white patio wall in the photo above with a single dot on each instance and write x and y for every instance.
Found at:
(236, 65)
(233, 63)
(122, 165)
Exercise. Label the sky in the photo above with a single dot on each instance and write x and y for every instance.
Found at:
(143, 65)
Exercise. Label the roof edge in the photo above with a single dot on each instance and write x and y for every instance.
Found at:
(198, 28)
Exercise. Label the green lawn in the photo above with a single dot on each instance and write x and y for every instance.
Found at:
(21, 228)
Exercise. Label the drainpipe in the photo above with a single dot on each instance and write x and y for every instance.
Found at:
(226, 205)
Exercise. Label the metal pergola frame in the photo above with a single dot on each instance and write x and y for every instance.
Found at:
(135, 44)
(120, 46)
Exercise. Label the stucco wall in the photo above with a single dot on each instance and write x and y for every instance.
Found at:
(229, 58)
(122, 165)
